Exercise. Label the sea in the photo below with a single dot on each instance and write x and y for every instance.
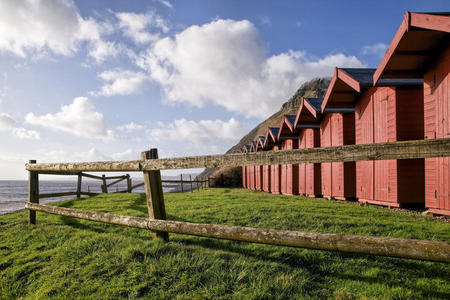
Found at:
(14, 193)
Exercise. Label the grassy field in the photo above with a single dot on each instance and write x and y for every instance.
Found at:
(63, 257)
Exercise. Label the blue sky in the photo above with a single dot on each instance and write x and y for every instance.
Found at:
(102, 80)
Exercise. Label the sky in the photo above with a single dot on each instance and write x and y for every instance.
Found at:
(105, 80)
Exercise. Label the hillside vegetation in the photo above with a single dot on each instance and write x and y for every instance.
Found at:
(67, 258)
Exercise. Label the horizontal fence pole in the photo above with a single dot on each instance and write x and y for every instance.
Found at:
(116, 177)
(380, 151)
(179, 181)
(137, 185)
(115, 181)
(92, 176)
(383, 246)
(52, 195)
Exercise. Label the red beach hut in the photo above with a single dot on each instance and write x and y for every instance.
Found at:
(265, 168)
(246, 169)
(289, 173)
(391, 111)
(244, 175)
(271, 142)
(307, 122)
(420, 49)
(337, 128)
(259, 169)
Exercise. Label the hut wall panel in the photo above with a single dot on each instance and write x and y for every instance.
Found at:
(325, 141)
(275, 185)
(258, 178)
(437, 125)
(364, 135)
(312, 171)
(341, 132)
(266, 178)
(244, 178)
(302, 167)
(289, 173)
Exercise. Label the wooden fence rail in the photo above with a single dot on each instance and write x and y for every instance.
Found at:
(150, 165)
(383, 246)
(380, 151)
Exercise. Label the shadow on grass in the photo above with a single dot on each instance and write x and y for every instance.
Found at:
(315, 264)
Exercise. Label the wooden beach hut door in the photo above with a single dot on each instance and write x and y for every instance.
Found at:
(337, 168)
(364, 135)
(302, 167)
(325, 141)
(437, 125)
(312, 171)
(385, 131)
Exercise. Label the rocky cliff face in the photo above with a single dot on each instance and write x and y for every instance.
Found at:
(233, 176)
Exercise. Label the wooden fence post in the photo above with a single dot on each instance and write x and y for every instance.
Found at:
(79, 185)
(128, 183)
(154, 194)
(104, 187)
(33, 192)
(181, 179)
(190, 179)
(209, 184)
(196, 182)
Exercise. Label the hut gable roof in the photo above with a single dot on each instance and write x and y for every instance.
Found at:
(261, 141)
(420, 38)
(309, 111)
(348, 83)
(287, 126)
(271, 136)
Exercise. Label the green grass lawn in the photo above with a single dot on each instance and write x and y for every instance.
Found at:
(63, 257)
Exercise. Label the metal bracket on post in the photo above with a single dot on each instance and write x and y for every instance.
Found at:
(33, 192)
(154, 194)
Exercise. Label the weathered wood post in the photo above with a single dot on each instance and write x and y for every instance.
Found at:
(190, 180)
(33, 192)
(79, 185)
(181, 179)
(104, 187)
(128, 183)
(196, 182)
(154, 194)
(209, 184)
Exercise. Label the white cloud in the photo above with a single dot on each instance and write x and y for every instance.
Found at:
(130, 127)
(78, 118)
(377, 49)
(201, 133)
(121, 82)
(224, 63)
(37, 27)
(166, 3)
(6, 122)
(142, 28)
(23, 133)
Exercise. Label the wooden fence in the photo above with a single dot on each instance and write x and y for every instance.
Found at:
(150, 165)
(195, 184)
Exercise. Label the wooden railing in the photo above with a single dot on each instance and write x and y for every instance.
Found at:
(150, 165)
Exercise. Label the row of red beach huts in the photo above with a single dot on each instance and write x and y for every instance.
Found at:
(405, 98)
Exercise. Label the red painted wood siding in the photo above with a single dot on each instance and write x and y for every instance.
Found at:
(340, 181)
(289, 173)
(325, 141)
(312, 171)
(266, 178)
(302, 167)
(244, 178)
(387, 114)
(259, 178)
(364, 135)
(437, 125)
(275, 178)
